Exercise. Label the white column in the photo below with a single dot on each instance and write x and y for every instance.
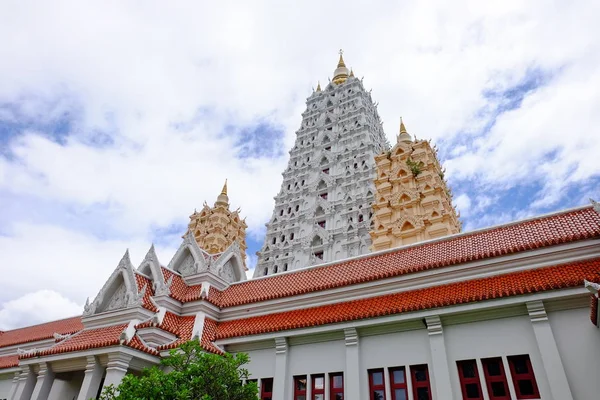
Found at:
(45, 379)
(308, 387)
(116, 368)
(388, 385)
(352, 376)
(280, 378)
(481, 373)
(442, 387)
(26, 384)
(557, 379)
(91, 379)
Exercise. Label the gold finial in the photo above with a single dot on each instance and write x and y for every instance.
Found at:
(341, 61)
(318, 86)
(351, 72)
(224, 190)
(402, 127)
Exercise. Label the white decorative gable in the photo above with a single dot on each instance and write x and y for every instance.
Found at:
(119, 291)
(189, 259)
(151, 268)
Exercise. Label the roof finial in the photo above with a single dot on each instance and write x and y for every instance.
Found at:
(224, 190)
(402, 127)
(351, 72)
(318, 86)
(341, 61)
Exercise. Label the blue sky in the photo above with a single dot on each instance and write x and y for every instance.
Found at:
(111, 133)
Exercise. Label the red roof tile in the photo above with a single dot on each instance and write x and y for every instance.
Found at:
(179, 289)
(208, 336)
(533, 234)
(9, 361)
(179, 326)
(518, 283)
(141, 282)
(40, 332)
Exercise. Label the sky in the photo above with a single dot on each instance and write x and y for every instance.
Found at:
(119, 118)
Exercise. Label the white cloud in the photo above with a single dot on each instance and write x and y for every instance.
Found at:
(173, 86)
(37, 307)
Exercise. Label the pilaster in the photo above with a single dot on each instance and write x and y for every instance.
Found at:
(557, 379)
(91, 379)
(352, 378)
(26, 384)
(116, 368)
(15, 385)
(441, 374)
(280, 378)
(45, 379)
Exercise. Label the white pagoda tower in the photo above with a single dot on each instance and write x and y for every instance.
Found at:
(323, 210)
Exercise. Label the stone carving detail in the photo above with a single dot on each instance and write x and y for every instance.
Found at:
(119, 299)
(187, 266)
(228, 273)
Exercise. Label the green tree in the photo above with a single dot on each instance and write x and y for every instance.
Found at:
(189, 373)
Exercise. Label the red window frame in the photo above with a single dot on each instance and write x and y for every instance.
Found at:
(316, 391)
(526, 376)
(264, 395)
(332, 390)
(299, 392)
(489, 379)
(398, 385)
(464, 381)
(372, 386)
(420, 384)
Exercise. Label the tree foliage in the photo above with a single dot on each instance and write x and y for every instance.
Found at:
(189, 373)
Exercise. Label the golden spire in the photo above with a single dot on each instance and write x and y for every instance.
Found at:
(318, 86)
(351, 72)
(402, 127)
(224, 190)
(403, 136)
(341, 62)
(341, 72)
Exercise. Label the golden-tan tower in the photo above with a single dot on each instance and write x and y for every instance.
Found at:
(216, 228)
(412, 200)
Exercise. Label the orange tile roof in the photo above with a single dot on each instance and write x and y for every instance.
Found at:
(512, 284)
(208, 336)
(9, 361)
(40, 332)
(181, 327)
(569, 226)
(141, 282)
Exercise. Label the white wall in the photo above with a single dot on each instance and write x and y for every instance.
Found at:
(500, 337)
(578, 342)
(262, 363)
(5, 384)
(392, 350)
(316, 358)
(66, 386)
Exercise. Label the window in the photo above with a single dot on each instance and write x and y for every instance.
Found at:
(266, 271)
(274, 240)
(318, 387)
(398, 383)
(469, 380)
(297, 207)
(292, 236)
(336, 386)
(326, 171)
(281, 212)
(275, 269)
(284, 267)
(420, 382)
(523, 378)
(376, 384)
(360, 218)
(328, 148)
(321, 224)
(324, 196)
(300, 387)
(319, 254)
(266, 389)
(495, 379)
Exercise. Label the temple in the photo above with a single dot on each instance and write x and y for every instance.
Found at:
(412, 201)
(420, 312)
(323, 211)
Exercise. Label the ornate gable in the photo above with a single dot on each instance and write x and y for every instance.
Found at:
(120, 290)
